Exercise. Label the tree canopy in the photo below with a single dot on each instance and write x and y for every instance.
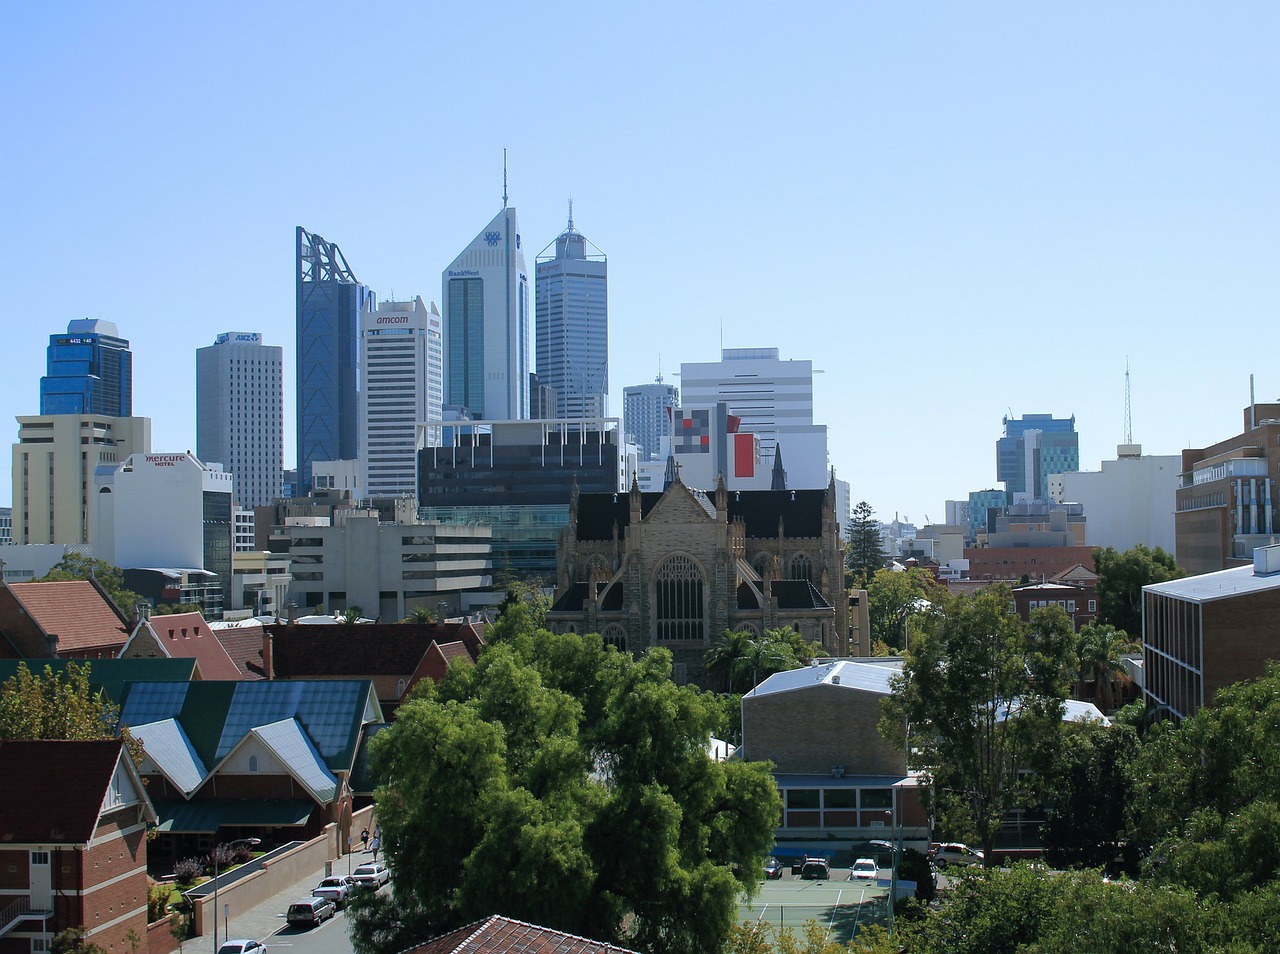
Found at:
(59, 705)
(739, 660)
(564, 783)
(980, 699)
(1121, 577)
(895, 598)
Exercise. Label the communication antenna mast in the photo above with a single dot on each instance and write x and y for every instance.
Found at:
(504, 177)
(1128, 409)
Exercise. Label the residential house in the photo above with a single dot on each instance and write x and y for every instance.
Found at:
(181, 636)
(73, 619)
(502, 935)
(73, 845)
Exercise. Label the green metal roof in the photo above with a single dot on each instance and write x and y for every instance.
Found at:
(208, 816)
(110, 676)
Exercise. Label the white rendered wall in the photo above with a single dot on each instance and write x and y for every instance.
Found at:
(1128, 502)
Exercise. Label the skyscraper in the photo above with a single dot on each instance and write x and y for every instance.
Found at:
(400, 388)
(571, 295)
(646, 415)
(239, 413)
(486, 324)
(90, 371)
(1033, 449)
(329, 303)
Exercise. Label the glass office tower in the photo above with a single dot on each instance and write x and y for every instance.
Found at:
(90, 371)
(572, 310)
(329, 302)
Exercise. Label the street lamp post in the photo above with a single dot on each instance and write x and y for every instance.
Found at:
(216, 849)
(894, 816)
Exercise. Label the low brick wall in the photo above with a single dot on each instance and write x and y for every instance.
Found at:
(160, 939)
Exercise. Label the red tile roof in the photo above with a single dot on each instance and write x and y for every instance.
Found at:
(244, 645)
(53, 791)
(437, 660)
(81, 617)
(499, 935)
(188, 636)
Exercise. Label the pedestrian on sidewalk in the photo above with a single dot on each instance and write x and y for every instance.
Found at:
(364, 839)
(377, 843)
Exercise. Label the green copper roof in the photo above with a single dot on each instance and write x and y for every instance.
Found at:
(109, 676)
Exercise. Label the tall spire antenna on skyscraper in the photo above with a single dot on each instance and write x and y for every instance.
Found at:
(504, 177)
(570, 213)
(1128, 412)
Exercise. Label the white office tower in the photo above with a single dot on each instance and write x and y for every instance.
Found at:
(774, 400)
(486, 324)
(400, 388)
(646, 415)
(240, 413)
(572, 311)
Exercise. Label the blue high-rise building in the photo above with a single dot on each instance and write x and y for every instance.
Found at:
(572, 310)
(1033, 449)
(329, 302)
(90, 371)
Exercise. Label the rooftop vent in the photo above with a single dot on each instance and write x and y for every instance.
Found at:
(1266, 560)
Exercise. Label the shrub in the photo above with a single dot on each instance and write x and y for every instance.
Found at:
(158, 896)
(187, 870)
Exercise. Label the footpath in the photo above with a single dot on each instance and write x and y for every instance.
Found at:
(264, 920)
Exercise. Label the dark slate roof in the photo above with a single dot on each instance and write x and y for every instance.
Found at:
(359, 649)
(244, 645)
(54, 790)
(109, 676)
(800, 511)
(573, 598)
(501, 935)
(797, 595)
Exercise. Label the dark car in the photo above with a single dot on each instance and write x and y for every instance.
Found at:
(816, 869)
(773, 869)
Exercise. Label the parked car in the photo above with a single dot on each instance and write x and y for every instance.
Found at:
(864, 869)
(372, 874)
(243, 946)
(954, 853)
(310, 911)
(816, 869)
(337, 889)
(773, 869)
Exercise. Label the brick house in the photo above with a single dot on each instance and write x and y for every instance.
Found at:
(73, 846)
(678, 568)
(502, 935)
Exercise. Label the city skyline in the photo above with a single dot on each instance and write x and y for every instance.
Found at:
(903, 197)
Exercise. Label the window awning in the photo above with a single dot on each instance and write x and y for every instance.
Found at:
(206, 817)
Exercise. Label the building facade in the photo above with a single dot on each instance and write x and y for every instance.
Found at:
(1129, 501)
(240, 413)
(572, 312)
(166, 511)
(53, 466)
(773, 399)
(1201, 633)
(678, 568)
(486, 324)
(518, 479)
(400, 387)
(90, 371)
(385, 569)
(1226, 499)
(1035, 447)
(646, 415)
(329, 303)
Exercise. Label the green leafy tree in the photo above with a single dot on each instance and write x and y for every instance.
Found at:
(77, 566)
(1121, 577)
(896, 599)
(60, 705)
(562, 782)
(979, 700)
(738, 661)
(865, 555)
(1088, 787)
(1099, 648)
(169, 609)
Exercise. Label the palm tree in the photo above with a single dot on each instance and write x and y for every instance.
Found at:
(724, 659)
(1099, 648)
(351, 614)
(419, 614)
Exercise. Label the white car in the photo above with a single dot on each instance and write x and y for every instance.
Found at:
(864, 869)
(954, 853)
(337, 889)
(243, 946)
(373, 874)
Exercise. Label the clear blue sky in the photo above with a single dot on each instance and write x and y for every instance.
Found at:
(953, 209)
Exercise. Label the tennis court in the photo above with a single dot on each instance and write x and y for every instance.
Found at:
(839, 905)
